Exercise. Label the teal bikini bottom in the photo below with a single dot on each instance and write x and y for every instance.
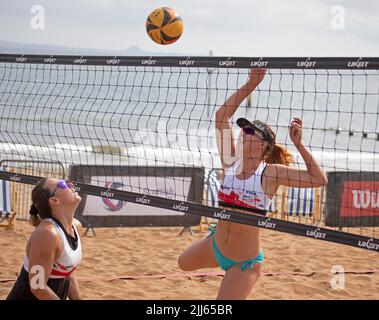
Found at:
(226, 263)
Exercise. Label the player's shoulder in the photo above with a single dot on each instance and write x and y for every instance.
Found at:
(78, 225)
(45, 233)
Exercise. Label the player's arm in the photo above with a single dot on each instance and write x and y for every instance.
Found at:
(44, 249)
(314, 176)
(74, 292)
(224, 130)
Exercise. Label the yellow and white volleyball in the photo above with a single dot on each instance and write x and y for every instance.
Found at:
(164, 26)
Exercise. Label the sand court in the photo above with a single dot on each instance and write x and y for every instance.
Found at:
(141, 263)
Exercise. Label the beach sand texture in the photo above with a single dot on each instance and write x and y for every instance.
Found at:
(141, 263)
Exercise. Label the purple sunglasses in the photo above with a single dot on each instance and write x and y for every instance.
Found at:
(60, 185)
(253, 131)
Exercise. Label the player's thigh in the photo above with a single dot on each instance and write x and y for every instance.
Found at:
(198, 255)
(237, 283)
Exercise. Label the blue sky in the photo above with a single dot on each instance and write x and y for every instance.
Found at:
(228, 27)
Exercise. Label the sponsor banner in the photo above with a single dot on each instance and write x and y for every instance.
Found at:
(267, 224)
(167, 187)
(352, 199)
(20, 178)
(198, 210)
(360, 199)
(353, 63)
(132, 196)
(369, 244)
(316, 233)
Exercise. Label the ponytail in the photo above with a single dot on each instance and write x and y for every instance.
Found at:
(34, 219)
(278, 154)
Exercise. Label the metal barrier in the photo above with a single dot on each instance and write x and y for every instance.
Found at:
(22, 192)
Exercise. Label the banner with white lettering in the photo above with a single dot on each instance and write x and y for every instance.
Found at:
(167, 187)
(352, 199)
(104, 209)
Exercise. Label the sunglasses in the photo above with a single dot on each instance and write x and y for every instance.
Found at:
(61, 184)
(253, 131)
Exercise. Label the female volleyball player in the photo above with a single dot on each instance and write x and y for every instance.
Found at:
(54, 249)
(253, 172)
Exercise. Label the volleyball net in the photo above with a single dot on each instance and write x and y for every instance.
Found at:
(138, 134)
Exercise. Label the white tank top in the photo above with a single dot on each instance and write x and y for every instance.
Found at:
(69, 259)
(243, 193)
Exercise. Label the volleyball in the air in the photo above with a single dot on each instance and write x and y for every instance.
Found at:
(164, 26)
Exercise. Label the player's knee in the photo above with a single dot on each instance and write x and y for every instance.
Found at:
(182, 263)
(256, 271)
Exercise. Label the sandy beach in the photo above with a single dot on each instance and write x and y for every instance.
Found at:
(141, 263)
